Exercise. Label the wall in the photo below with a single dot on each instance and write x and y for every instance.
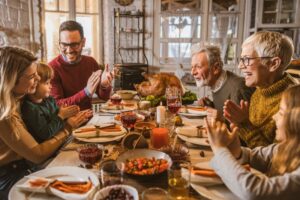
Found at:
(16, 27)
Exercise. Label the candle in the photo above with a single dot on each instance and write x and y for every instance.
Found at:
(159, 137)
(160, 114)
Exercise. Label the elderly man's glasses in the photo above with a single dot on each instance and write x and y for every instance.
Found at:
(246, 60)
(73, 45)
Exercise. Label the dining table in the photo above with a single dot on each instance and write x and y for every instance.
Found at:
(68, 156)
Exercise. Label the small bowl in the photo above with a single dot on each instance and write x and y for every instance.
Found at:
(179, 153)
(127, 94)
(90, 153)
(103, 193)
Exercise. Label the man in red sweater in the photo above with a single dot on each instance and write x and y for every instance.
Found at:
(77, 77)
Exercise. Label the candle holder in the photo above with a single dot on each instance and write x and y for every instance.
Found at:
(159, 137)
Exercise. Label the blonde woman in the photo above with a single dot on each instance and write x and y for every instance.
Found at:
(280, 162)
(18, 149)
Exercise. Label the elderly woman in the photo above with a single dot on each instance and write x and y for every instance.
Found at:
(264, 57)
(18, 149)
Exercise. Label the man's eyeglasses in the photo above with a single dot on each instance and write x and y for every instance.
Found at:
(246, 60)
(73, 45)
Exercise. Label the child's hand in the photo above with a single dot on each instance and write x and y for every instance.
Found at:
(67, 112)
(80, 118)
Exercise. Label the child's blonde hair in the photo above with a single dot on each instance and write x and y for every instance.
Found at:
(44, 71)
(287, 159)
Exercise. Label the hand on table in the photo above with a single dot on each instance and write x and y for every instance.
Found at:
(236, 113)
(205, 101)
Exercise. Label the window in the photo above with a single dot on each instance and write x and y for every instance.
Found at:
(86, 13)
(180, 27)
(186, 22)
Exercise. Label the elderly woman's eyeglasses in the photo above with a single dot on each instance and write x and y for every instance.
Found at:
(73, 45)
(246, 60)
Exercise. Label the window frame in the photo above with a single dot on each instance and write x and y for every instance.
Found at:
(71, 15)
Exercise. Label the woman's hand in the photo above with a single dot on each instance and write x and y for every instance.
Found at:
(219, 136)
(236, 113)
(80, 118)
(68, 111)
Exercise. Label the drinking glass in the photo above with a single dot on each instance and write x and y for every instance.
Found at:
(173, 97)
(128, 119)
(154, 193)
(179, 180)
(110, 173)
(115, 99)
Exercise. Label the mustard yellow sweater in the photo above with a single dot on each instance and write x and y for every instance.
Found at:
(264, 103)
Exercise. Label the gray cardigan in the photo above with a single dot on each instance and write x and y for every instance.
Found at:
(247, 185)
(233, 89)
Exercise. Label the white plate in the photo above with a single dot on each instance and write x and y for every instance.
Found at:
(216, 192)
(105, 191)
(101, 139)
(205, 180)
(199, 114)
(194, 140)
(74, 173)
(110, 109)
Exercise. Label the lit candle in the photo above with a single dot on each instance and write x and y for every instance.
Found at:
(159, 137)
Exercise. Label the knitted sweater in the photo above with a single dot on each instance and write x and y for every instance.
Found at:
(264, 103)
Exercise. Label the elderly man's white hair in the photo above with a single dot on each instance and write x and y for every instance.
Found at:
(213, 53)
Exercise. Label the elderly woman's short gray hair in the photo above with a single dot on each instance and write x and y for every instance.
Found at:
(213, 53)
(272, 44)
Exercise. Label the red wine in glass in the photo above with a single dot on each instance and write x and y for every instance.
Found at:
(128, 119)
(174, 107)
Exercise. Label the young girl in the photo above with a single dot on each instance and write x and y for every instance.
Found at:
(280, 162)
(40, 112)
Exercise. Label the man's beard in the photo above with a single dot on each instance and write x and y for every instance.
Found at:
(201, 83)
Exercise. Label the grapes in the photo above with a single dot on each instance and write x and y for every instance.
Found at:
(118, 194)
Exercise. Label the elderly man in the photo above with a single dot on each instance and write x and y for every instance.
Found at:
(207, 69)
(264, 57)
(77, 77)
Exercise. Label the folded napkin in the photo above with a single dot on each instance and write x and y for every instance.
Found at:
(191, 131)
(92, 131)
(78, 188)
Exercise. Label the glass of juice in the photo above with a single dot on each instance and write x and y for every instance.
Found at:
(179, 175)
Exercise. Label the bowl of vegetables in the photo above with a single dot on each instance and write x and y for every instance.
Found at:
(144, 162)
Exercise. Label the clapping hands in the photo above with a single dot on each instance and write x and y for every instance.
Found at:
(68, 111)
(236, 113)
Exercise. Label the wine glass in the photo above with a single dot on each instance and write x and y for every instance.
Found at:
(116, 99)
(128, 119)
(173, 97)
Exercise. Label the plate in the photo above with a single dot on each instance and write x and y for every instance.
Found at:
(194, 140)
(115, 109)
(200, 114)
(74, 173)
(205, 180)
(216, 192)
(101, 194)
